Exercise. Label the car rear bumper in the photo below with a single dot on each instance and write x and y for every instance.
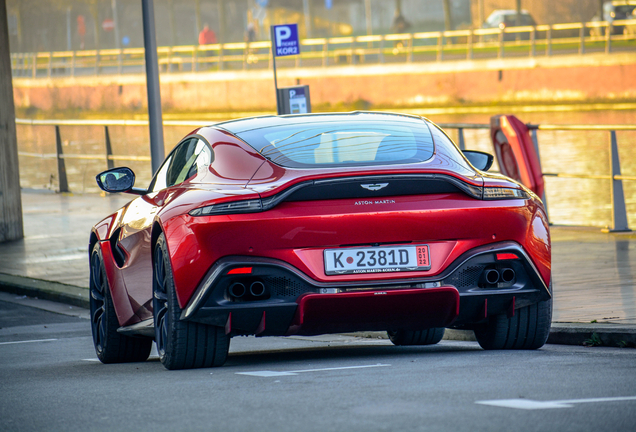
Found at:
(293, 303)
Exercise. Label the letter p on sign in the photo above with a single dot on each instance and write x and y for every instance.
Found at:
(282, 34)
(285, 40)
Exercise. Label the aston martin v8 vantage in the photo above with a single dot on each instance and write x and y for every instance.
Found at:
(313, 224)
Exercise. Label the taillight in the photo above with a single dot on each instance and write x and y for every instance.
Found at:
(494, 193)
(233, 207)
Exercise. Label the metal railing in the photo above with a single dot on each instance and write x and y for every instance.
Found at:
(619, 212)
(619, 208)
(468, 44)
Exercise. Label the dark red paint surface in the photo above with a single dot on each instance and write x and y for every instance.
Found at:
(403, 309)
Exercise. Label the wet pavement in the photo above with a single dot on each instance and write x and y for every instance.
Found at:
(594, 273)
(56, 232)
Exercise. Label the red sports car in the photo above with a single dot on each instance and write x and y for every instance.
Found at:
(312, 224)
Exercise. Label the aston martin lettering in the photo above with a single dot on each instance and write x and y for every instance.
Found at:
(386, 201)
(377, 259)
(374, 186)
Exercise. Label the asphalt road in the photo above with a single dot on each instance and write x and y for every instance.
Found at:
(51, 380)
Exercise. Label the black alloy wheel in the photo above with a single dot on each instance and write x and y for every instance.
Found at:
(181, 344)
(160, 301)
(528, 328)
(110, 346)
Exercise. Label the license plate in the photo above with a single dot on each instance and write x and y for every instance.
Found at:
(377, 259)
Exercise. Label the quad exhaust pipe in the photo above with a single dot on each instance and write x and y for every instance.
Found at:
(492, 276)
(507, 275)
(237, 290)
(257, 290)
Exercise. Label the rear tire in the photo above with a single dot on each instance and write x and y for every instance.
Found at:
(529, 328)
(416, 337)
(110, 346)
(181, 344)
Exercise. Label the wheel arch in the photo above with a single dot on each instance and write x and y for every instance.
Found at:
(92, 241)
(155, 232)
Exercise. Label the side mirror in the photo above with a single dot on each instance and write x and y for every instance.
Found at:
(480, 160)
(118, 180)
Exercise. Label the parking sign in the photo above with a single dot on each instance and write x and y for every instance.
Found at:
(285, 40)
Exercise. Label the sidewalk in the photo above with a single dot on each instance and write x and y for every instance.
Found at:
(594, 274)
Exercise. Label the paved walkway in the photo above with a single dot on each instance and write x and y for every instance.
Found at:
(594, 273)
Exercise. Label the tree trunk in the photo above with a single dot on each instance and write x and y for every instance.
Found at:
(308, 19)
(221, 32)
(197, 12)
(96, 26)
(448, 19)
(368, 17)
(481, 13)
(18, 12)
(10, 199)
(173, 25)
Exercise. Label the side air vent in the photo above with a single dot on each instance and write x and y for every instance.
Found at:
(118, 253)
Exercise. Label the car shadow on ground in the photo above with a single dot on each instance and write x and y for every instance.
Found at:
(363, 353)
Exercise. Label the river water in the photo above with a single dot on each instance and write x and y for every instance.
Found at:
(571, 201)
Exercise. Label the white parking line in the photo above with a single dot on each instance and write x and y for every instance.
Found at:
(277, 374)
(27, 341)
(529, 404)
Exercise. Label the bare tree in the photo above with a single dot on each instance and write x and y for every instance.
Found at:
(448, 18)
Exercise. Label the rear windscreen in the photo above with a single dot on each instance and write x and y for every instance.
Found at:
(342, 143)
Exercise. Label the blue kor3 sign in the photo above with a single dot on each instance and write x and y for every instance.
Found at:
(286, 40)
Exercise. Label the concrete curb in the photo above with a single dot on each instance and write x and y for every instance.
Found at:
(591, 334)
(46, 290)
(581, 334)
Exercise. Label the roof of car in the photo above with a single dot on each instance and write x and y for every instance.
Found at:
(242, 125)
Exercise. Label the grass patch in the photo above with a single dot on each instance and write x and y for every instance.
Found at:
(593, 341)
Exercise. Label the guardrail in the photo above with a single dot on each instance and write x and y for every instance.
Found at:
(469, 44)
(619, 212)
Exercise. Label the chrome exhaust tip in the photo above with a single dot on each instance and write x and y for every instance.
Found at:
(257, 288)
(507, 275)
(237, 290)
(492, 276)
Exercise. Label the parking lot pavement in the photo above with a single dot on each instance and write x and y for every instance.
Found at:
(594, 273)
(52, 380)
